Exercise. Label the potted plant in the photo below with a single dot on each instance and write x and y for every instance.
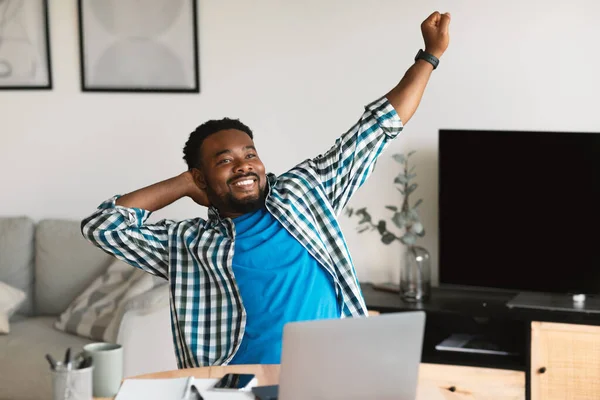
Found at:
(415, 274)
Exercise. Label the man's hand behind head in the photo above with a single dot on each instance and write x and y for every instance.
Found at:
(435, 31)
(194, 192)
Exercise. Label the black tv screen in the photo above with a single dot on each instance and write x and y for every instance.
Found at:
(520, 210)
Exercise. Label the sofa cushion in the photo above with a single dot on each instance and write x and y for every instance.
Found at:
(16, 257)
(96, 313)
(65, 265)
(10, 299)
(24, 371)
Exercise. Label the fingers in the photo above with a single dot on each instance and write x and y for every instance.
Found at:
(444, 22)
(435, 33)
(433, 19)
(437, 19)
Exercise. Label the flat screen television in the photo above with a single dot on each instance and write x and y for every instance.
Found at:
(520, 210)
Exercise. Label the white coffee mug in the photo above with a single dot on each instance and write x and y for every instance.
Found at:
(107, 360)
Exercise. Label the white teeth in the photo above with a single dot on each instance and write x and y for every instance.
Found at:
(244, 183)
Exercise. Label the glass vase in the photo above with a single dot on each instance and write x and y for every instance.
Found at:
(415, 274)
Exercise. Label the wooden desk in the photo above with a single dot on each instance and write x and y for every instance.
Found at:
(436, 382)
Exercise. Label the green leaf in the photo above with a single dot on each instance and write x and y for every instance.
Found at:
(412, 169)
(411, 188)
(393, 208)
(400, 190)
(399, 158)
(418, 203)
(410, 153)
(416, 228)
(408, 239)
(366, 217)
(411, 176)
(349, 211)
(401, 179)
(399, 219)
(388, 238)
(381, 227)
(413, 216)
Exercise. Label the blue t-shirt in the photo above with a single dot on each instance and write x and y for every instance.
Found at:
(279, 282)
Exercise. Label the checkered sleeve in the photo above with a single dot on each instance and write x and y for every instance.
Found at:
(122, 232)
(346, 166)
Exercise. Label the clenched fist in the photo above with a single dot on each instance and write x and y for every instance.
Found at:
(435, 33)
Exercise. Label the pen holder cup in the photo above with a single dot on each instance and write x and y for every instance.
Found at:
(74, 384)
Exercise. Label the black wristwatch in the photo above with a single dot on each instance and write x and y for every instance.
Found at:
(422, 55)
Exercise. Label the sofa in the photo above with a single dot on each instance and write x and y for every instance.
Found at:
(52, 263)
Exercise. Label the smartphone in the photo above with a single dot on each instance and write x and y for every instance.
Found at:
(235, 382)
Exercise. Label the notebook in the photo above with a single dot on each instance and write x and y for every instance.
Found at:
(175, 389)
(472, 344)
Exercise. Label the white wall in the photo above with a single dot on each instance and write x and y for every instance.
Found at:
(299, 74)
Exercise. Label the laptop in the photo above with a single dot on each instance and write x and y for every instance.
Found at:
(352, 358)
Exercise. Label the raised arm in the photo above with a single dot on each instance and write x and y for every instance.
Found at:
(119, 225)
(349, 162)
(406, 96)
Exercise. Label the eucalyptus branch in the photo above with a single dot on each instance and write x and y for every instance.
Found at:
(406, 218)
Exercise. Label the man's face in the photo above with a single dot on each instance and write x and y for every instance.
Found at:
(231, 173)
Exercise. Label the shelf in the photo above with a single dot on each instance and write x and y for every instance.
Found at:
(468, 312)
(510, 335)
(475, 303)
(478, 303)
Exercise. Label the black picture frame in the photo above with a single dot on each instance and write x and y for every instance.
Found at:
(43, 81)
(193, 67)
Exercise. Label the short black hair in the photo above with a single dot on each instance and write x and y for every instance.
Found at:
(191, 151)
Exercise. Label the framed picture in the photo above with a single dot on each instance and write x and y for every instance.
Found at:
(24, 45)
(138, 46)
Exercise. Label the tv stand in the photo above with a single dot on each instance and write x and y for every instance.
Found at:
(553, 346)
(556, 302)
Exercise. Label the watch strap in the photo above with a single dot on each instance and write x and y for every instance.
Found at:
(422, 55)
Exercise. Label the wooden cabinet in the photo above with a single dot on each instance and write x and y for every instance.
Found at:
(565, 361)
(453, 382)
(562, 358)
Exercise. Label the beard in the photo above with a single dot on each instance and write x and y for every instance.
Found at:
(228, 202)
(245, 205)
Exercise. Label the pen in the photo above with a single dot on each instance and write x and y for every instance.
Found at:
(51, 361)
(67, 361)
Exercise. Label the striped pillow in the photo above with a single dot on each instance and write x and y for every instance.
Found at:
(96, 313)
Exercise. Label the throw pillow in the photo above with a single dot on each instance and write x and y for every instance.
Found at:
(10, 299)
(96, 313)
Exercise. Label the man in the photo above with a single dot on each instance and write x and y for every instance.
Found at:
(271, 250)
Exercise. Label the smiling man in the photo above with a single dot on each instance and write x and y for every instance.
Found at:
(271, 250)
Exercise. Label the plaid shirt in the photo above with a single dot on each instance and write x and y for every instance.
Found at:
(207, 314)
